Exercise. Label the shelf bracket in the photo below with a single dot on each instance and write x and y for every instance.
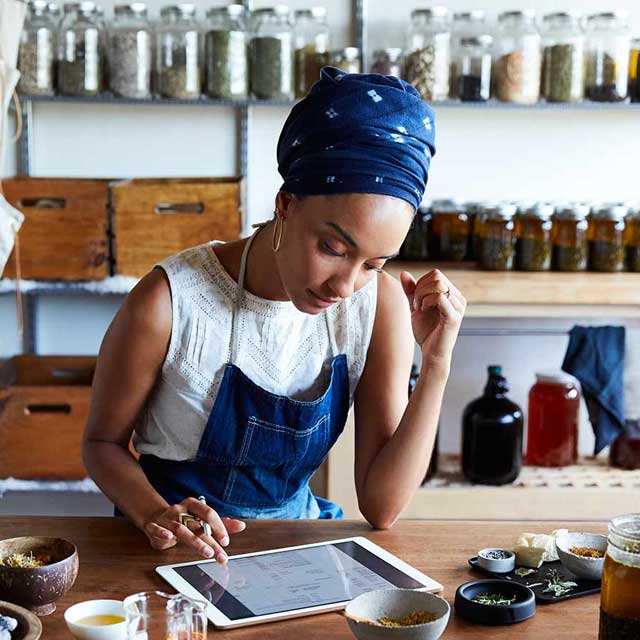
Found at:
(24, 167)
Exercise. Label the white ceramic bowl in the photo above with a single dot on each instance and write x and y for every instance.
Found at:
(81, 610)
(363, 612)
(580, 566)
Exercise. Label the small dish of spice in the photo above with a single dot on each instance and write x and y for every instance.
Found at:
(497, 560)
(582, 554)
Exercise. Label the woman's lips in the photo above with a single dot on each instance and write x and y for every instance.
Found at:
(321, 301)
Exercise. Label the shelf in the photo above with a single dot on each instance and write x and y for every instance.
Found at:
(114, 286)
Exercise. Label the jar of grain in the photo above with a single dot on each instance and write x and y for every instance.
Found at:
(311, 47)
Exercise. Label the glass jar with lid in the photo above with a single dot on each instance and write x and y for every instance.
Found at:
(428, 59)
(347, 59)
(80, 51)
(225, 53)
(533, 236)
(632, 238)
(178, 53)
(608, 47)
(271, 54)
(415, 245)
(449, 231)
(311, 47)
(37, 51)
(129, 51)
(466, 24)
(606, 237)
(562, 58)
(619, 602)
(569, 245)
(518, 57)
(496, 239)
(634, 68)
(387, 62)
(473, 68)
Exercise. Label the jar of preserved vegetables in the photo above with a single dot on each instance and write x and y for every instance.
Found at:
(225, 53)
(473, 68)
(562, 58)
(311, 46)
(347, 59)
(37, 52)
(449, 231)
(466, 24)
(619, 602)
(634, 76)
(533, 236)
(271, 54)
(178, 51)
(495, 234)
(428, 60)
(80, 51)
(608, 47)
(387, 62)
(632, 238)
(569, 237)
(606, 237)
(519, 59)
(415, 245)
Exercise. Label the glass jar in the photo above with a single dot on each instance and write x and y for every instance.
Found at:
(80, 51)
(473, 68)
(347, 59)
(472, 209)
(632, 239)
(311, 46)
(608, 47)
(415, 245)
(606, 237)
(619, 601)
(492, 434)
(427, 64)
(518, 58)
(562, 58)
(271, 54)
(37, 51)
(466, 24)
(129, 51)
(495, 234)
(387, 62)
(225, 53)
(533, 236)
(569, 246)
(178, 51)
(448, 231)
(625, 449)
(634, 68)
(552, 423)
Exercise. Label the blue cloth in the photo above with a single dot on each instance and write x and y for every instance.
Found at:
(595, 356)
(358, 133)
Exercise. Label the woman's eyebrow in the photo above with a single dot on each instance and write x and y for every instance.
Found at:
(349, 240)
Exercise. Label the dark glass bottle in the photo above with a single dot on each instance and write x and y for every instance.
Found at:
(433, 464)
(492, 434)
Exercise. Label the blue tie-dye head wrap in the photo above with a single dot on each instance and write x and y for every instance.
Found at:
(358, 133)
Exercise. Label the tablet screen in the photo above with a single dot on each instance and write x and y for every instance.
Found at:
(293, 579)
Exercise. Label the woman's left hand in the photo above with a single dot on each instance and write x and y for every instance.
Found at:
(437, 308)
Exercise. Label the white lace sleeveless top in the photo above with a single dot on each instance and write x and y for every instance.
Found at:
(283, 350)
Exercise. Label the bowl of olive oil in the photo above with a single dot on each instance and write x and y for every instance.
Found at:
(97, 620)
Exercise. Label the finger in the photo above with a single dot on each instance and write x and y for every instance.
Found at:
(159, 537)
(210, 516)
(444, 304)
(233, 525)
(210, 550)
(408, 286)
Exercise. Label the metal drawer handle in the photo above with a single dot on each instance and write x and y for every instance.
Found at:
(180, 207)
(70, 373)
(43, 203)
(47, 408)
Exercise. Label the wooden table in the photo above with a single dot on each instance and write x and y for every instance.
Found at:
(116, 560)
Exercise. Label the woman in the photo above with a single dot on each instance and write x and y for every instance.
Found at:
(237, 363)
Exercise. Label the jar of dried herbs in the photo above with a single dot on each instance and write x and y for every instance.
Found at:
(634, 76)
(387, 62)
(347, 59)
(608, 48)
(449, 231)
(178, 51)
(415, 246)
(428, 59)
(129, 53)
(473, 68)
(271, 54)
(606, 237)
(569, 247)
(632, 238)
(311, 47)
(466, 24)
(37, 51)
(562, 58)
(226, 59)
(533, 236)
(496, 240)
(519, 59)
(80, 51)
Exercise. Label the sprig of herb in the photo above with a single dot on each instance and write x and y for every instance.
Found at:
(556, 585)
(493, 599)
(523, 572)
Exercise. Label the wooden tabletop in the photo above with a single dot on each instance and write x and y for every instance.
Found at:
(116, 560)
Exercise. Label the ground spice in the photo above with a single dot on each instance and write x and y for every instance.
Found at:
(271, 68)
(416, 617)
(562, 73)
(587, 552)
(226, 64)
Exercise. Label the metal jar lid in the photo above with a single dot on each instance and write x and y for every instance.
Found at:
(475, 14)
(87, 7)
(179, 11)
(619, 14)
(348, 53)
(314, 13)
(484, 40)
(280, 10)
(392, 54)
(541, 210)
(231, 10)
(133, 9)
(572, 211)
(615, 211)
(447, 205)
(431, 12)
(499, 210)
(556, 377)
(528, 14)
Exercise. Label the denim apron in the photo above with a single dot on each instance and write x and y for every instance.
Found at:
(259, 449)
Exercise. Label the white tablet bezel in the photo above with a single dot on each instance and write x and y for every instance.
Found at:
(220, 620)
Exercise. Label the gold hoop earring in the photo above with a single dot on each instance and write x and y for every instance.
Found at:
(278, 230)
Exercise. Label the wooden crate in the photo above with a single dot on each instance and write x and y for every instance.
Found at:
(155, 218)
(64, 235)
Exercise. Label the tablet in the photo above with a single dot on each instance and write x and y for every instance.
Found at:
(292, 582)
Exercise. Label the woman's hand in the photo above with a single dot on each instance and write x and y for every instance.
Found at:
(164, 529)
(436, 315)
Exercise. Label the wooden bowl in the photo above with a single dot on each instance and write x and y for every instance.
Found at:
(29, 627)
(38, 589)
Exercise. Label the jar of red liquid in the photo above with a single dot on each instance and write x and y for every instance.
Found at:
(554, 405)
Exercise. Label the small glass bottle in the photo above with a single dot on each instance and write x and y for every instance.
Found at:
(563, 58)
(569, 245)
(495, 234)
(226, 59)
(387, 62)
(473, 68)
(519, 59)
(415, 246)
(533, 236)
(606, 237)
(634, 69)
(428, 59)
(347, 59)
(178, 52)
(608, 47)
(271, 54)
(632, 239)
(449, 231)
(466, 24)
(311, 46)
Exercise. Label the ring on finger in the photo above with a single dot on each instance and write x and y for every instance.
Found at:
(446, 293)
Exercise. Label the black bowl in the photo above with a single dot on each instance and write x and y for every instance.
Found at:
(495, 614)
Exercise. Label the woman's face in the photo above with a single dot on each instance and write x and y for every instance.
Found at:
(333, 245)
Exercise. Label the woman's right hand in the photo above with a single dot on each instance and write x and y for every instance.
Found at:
(165, 530)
